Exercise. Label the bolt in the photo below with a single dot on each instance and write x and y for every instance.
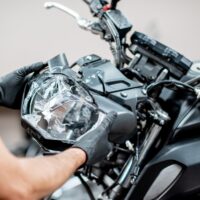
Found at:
(88, 98)
(129, 145)
(138, 70)
(144, 91)
(89, 58)
(123, 94)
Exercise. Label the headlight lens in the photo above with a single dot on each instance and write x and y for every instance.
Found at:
(59, 108)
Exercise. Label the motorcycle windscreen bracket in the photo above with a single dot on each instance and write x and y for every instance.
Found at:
(101, 76)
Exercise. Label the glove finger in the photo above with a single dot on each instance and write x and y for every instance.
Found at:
(24, 71)
(109, 119)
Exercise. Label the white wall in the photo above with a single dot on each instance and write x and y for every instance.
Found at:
(29, 33)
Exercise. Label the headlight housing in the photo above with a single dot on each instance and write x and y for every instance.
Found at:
(57, 110)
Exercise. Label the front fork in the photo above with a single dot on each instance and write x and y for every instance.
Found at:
(132, 168)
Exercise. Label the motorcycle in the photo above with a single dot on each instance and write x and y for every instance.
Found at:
(155, 92)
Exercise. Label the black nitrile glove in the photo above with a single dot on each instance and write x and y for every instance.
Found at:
(95, 142)
(12, 85)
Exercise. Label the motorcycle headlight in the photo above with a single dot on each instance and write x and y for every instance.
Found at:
(57, 110)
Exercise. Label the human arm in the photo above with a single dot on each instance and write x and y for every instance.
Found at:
(34, 178)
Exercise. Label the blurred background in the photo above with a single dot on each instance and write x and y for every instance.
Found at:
(29, 33)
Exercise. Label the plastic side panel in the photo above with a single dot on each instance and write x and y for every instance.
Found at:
(184, 154)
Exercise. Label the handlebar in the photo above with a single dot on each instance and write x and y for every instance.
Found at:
(109, 24)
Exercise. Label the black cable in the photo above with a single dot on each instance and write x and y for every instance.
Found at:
(73, 65)
(135, 73)
(126, 58)
(114, 4)
(86, 186)
(103, 84)
(116, 182)
(193, 81)
(116, 37)
(155, 88)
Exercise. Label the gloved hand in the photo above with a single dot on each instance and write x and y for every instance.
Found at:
(95, 142)
(12, 85)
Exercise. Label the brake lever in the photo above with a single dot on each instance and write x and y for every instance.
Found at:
(82, 22)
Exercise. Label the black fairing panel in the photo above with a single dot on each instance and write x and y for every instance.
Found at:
(125, 125)
(189, 126)
(184, 154)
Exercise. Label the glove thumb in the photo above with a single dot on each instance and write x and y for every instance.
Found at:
(109, 119)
